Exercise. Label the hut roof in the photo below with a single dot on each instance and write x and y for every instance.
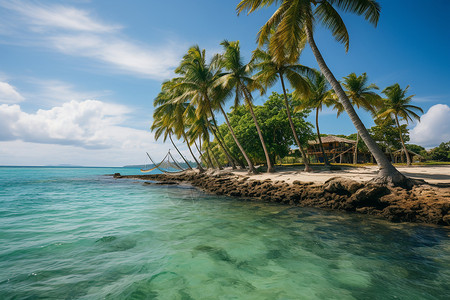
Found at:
(409, 151)
(332, 139)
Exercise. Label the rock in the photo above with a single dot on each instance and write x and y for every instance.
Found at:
(369, 196)
(341, 185)
(167, 183)
(422, 203)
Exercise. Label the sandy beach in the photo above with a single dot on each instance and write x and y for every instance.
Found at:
(436, 175)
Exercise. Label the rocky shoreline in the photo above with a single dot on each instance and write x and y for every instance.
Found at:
(421, 203)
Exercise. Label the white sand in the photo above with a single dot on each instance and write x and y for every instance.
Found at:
(431, 174)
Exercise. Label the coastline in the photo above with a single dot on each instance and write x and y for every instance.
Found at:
(424, 203)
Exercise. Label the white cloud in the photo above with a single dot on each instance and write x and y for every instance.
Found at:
(43, 17)
(124, 55)
(8, 94)
(86, 133)
(433, 128)
(89, 124)
(75, 32)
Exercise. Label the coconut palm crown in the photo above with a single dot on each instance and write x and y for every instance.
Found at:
(237, 76)
(270, 70)
(397, 105)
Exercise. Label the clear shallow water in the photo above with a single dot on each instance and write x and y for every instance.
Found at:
(71, 233)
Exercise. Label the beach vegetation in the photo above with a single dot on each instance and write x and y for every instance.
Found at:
(295, 20)
(275, 127)
(317, 94)
(362, 95)
(397, 105)
(270, 69)
(237, 76)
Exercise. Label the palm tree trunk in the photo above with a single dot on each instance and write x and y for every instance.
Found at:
(219, 138)
(214, 131)
(325, 158)
(251, 167)
(270, 168)
(170, 137)
(199, 166)
(291, 123)
(387, 174)
(355, 153)
(208, 157)
(408, 158)
(213, 155)
(204, 157)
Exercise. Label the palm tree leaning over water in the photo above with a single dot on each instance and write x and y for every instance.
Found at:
(199, 129)
(198, 81)
(237, 76)
(162, 129)
(397, 105)
(361, 95)
(295, 19)
(269, 72)
(162, 123)
(318, 94)
(169, 114)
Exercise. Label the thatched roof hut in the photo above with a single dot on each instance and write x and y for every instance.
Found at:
(332, 139)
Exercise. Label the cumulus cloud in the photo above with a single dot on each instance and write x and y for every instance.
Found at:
(89, 133)
(90, 124)
(8, 94)
(76, 32)
(433, 128)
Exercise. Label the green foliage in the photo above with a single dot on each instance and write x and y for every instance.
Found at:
(440, 153)
(272, 118)
(386, 134)
(415, 148)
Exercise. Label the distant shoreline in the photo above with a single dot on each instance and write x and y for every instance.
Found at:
(426, 203)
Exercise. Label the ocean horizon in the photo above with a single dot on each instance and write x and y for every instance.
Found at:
(78, 233)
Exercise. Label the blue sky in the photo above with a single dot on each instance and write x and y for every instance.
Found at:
(77, 78)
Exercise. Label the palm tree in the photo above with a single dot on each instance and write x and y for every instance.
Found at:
(169, 114)
(198, 82)
(270, 70)
(318, 94)
(295, 19)
(397, 104)
(237, 76)
(162, 129)
(199, 129)
(361, 95)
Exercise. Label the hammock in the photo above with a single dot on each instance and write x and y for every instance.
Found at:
(167, 164)
(156, 165)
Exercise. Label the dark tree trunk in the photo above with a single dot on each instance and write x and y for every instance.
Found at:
(291, 123)
(355, 153)
(408, 158)
(325, 158)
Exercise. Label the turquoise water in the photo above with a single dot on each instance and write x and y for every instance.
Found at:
(72, 233)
